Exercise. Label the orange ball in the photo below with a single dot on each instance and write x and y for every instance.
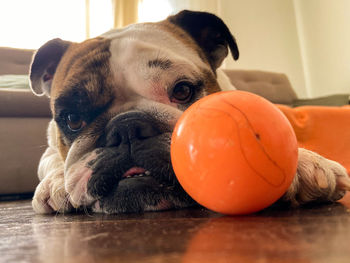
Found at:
(234, 152)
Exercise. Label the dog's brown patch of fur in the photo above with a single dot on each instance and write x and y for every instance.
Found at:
(85, 65)
(87, 61)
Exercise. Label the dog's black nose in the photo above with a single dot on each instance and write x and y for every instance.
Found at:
(126, 128)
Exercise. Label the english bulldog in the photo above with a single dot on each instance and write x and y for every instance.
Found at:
(115, 100)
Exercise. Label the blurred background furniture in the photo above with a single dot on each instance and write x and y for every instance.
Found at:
(277, 88)
(23, 121)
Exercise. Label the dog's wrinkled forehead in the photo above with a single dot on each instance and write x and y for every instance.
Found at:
(140, 61)
(159, 44)
(188, 43)
(146, 59)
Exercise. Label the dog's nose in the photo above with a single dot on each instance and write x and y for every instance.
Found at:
(126, 128)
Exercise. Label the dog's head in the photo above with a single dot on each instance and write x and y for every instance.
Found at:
(115, 100)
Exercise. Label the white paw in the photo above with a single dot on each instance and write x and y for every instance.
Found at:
(317, 180)
(50, 196)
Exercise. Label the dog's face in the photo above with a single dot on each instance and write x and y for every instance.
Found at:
(115, 100)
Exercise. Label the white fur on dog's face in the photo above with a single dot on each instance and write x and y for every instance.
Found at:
(137, 85)
(121, 85)
(146, 63)
(133, 48)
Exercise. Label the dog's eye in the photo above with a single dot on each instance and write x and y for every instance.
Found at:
(75, 122)
(182, 92)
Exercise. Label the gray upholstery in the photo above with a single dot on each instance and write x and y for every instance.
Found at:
(23, 104)
(23, 122)
(22, 142)
(273, 86)
(14, 61)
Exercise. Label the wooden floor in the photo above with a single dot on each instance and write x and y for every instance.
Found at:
(318, 234)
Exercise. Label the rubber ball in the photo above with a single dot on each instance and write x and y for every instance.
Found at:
(234, 152)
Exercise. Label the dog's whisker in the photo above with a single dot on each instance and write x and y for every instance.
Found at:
(67, 186)
(81, 202)
(57, 190)
(44, 203)
(66, 204)
(86, 211)
(62, 206)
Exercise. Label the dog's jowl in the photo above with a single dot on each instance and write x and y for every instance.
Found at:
(115, 100)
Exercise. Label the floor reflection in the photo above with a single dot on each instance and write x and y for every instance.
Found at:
(319, 234)
(314, 234)
(148, 237)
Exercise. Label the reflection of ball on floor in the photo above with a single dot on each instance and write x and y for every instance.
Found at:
(234, 152)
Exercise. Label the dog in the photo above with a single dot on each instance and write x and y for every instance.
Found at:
(115, 100)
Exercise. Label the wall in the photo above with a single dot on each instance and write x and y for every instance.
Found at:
(266, 33)
(199, 5)
(307, 40)
(324, 28)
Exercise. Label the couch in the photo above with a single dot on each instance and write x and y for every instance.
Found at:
(24, 118)
(23, 122)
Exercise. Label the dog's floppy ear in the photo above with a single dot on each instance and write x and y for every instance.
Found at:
(44, 65)
(210, 32)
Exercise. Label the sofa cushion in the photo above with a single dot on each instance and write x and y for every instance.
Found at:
(14, 60)
(273, 86)
(22, 141)
(331, 100)
(22, 103)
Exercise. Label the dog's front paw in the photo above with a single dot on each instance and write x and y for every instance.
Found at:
(50, 196)
(317, 180)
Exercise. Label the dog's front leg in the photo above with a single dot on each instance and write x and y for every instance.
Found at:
(50, 195)
(317, 180)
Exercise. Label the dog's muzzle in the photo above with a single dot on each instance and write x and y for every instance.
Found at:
(133, 157)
